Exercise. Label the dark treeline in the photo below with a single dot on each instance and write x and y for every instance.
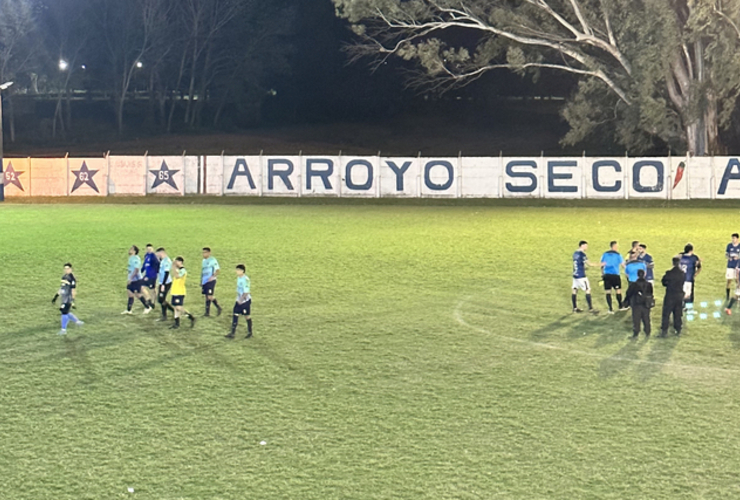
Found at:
(161, 65)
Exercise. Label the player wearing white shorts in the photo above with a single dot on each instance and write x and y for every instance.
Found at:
(732, 254)
(580, 281)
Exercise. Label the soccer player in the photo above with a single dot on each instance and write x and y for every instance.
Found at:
(149, 271)
(649, 264)
(633, 266)
(580, 281)
(165, 282)
(635, 249)
(68, 292)
(732, 254)
(133, 284)
(208, 276)
(611, 262)
(243, 306)
(179, 291)
(691, 266)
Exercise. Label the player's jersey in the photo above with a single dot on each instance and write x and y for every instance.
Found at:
(689, 265)
(648, 260)
(612, 261)
(178, 284)
(134, 266)
(65, 290)
(151, 266)
(579, 264)
(165, 267)
(210, 266)
(242, 287)
(631, 269)
(733, 255)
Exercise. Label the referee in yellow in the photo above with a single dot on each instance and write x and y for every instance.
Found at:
(179, 291)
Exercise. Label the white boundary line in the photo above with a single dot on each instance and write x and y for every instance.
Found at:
(458, 315)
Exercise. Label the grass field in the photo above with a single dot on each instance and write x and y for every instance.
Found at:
(399, 352)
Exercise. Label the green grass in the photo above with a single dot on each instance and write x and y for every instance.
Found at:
(421, 352)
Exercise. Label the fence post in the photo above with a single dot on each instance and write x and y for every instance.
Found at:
(223, 172)
(501, 190)
(459, 191)
(300, 173)
(378, 178)
(626, 176)
(260, 188)
(107, 171)
(339, 174)
(66, 160)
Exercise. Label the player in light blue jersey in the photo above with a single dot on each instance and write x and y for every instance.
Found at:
(67, 292)
(208, 276)
(133, 282)
(732, 254)
(580, 281)
(164, 279)
(243, 305)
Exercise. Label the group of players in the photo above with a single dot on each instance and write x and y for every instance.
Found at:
(638, 266)
(159, 276)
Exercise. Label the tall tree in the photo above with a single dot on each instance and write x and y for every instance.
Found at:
(649, 71)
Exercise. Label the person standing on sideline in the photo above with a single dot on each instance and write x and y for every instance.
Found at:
(243, 305)
(673, 281)
(68, 292)
(640, 298)
(691, 266)
(133, 283)
(179, 291)
(611, 264)
(208, 276)
(732, 254)
(580, 261)
(649, 264)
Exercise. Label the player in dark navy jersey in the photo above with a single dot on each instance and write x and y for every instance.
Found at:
(645, 257)
(732, 254)
(580, 281)
(149, 271)
(690, 264)
(67, 292)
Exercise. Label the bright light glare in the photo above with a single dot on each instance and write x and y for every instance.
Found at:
(139, 64)
(6, 85)
(63, 65)
(83, 66)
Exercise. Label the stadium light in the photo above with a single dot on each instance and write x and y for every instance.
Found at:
(4, 86)
(139, 64)
(63, 65)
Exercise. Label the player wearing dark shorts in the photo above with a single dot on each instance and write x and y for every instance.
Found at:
(243, 304)
(149, 271)
(611, 263)
(208, 276)
(133, 283)
(67, 292)
(164, 277)
(179, 291)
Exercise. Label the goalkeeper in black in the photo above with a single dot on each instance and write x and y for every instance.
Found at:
(640, 298)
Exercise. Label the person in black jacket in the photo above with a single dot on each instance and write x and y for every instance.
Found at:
(673, 281)
(640, 299)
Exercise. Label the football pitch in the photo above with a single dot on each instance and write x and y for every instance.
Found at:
(420, 352)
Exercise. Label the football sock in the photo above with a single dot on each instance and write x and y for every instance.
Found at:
(208, 306)
(164, 310)
(144, 302)
(732, 303)
(588, 299)
(574, 301)
(609, 300)
(130, 303)
(65, 321)
(73, 318)
(619, 300)
(215, 303)
(249, 325)
(177, 321)
(727, 294)
(234, 322)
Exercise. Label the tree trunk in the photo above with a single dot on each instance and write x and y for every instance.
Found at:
(177, 89)
(11, 108)
(711, 121)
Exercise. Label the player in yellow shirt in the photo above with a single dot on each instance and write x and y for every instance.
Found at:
(179, 291)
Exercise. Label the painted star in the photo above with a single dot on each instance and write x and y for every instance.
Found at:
(11, 177)
(164, 176)
(84, 176)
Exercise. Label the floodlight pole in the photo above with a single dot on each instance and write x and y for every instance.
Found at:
(4, 86)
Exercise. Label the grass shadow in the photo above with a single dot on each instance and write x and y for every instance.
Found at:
(622, 359)
(660, 354)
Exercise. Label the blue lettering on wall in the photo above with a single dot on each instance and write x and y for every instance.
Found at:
(348, 175)
(636, 181)
(552, 176)
(732, 173)
(323, 174)
(272, 172)
(241, 169)
(521, 175)
(428, 175)
(399, 171)
(598, 186)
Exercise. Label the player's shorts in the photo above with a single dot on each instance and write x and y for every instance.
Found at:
(579, 283)
(178, 300)
(244, 309)
(731, 273)
(65, 308)
(688, 287)
(612, 281)
(162, 295)
(209, 288)
(134, 286)
(149, 283)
